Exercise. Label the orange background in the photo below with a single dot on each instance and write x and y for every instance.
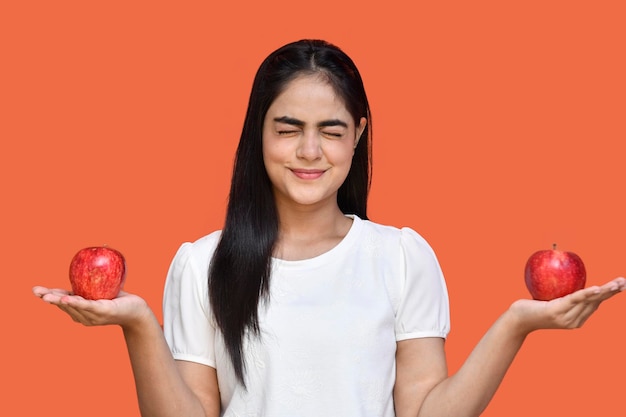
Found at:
(499, 129)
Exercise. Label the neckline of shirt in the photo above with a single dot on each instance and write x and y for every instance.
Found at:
(343, 246)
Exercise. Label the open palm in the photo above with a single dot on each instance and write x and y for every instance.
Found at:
(122, 310)
(567, 312)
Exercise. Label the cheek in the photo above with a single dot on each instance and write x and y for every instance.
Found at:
(340, 153)
(272, 152)
(269, 148)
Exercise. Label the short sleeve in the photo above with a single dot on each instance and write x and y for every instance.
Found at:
(423, 309)
(187, 318)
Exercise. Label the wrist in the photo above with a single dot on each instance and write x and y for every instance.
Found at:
(517, 322)
(142, 319)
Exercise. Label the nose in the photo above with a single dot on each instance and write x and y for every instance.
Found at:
(310, 146)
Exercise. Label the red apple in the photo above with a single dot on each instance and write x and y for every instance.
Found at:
(553, 273)
(97, 273)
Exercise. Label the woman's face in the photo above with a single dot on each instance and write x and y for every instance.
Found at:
(308, 143)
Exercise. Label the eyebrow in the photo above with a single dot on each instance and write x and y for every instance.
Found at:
(296, 122)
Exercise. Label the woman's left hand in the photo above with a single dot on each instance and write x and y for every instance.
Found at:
(568, 312)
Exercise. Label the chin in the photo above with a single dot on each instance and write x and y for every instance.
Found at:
(310, 200)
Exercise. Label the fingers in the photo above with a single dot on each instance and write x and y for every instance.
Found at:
(78, 315)
(87, 312)
(39, 291)
(79, 309)
(122, 310)
(620, 283)
(58, 296)
(599, 293)
(583, 303)
(609, 289)
(612, 287)
(42, 292)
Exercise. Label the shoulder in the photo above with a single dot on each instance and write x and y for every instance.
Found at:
(199, 251)
(192, 259)
(409, 260)
(393, 238)
(205, 243)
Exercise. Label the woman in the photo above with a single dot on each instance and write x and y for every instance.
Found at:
(301, 306)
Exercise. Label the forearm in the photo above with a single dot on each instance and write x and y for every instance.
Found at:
(161, 391)
(468, 392)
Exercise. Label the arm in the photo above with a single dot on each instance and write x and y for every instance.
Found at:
(423, 388)
(165, 387)
(467, 392)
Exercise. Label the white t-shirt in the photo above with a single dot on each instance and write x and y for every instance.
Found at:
(329, 330)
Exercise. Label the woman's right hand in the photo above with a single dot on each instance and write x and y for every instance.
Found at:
(125, 310)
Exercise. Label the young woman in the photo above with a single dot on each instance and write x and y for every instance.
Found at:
(301, 306)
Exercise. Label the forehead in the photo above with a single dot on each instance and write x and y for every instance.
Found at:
(309, 95)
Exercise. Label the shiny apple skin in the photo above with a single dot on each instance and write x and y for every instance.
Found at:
(552, 273)
(97, 273)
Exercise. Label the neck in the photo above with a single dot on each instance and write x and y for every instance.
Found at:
(306, 232)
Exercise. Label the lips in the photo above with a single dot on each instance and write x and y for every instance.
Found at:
(308, 174)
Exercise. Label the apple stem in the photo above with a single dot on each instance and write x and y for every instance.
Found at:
(554, 246)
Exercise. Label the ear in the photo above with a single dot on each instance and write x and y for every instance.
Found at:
(359, 130)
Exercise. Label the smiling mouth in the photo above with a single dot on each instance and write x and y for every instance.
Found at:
(308, 174)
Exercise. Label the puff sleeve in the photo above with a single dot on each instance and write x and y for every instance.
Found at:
(187, 319)
(422, 308)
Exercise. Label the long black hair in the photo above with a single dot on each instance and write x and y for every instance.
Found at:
(239, 273)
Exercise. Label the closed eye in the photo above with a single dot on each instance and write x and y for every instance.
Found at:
(287, 132)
